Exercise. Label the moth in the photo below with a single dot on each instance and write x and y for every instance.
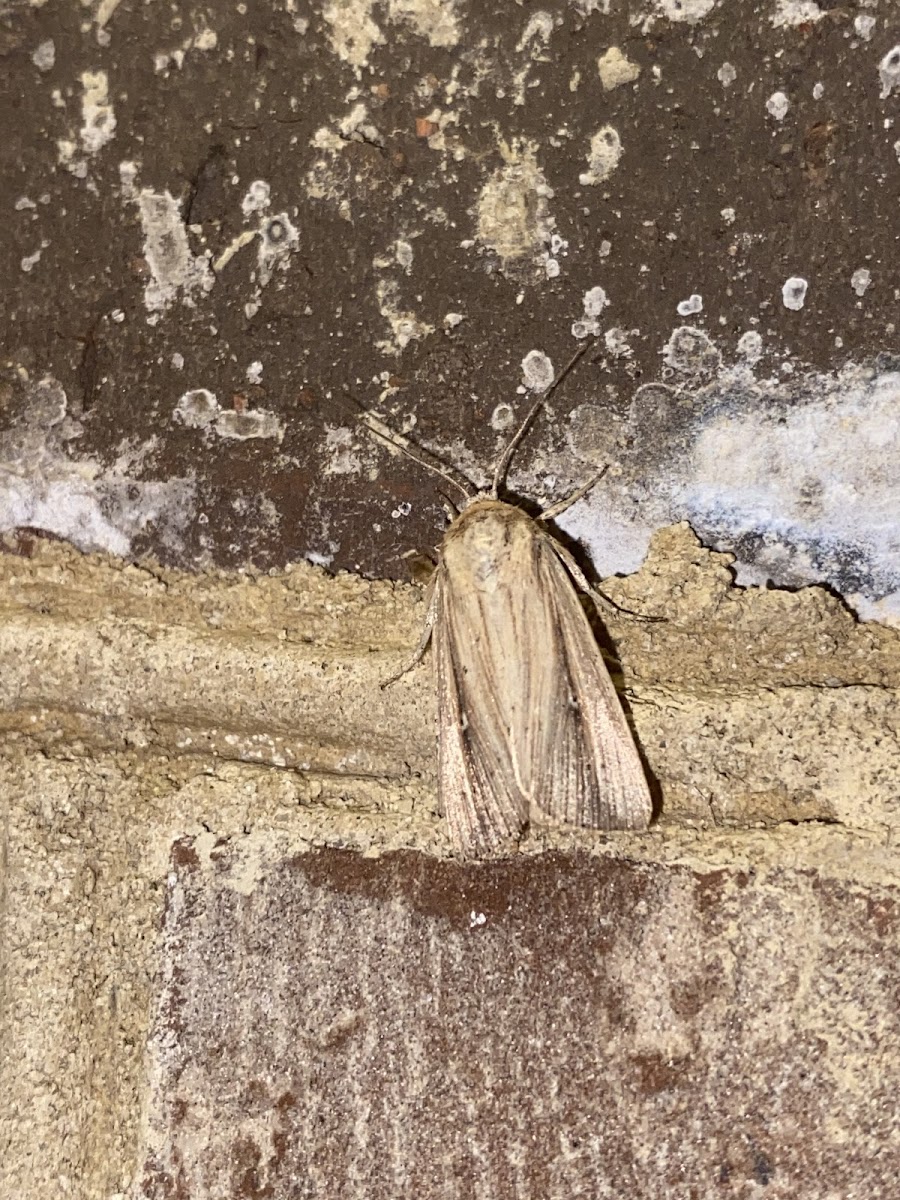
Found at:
(531, 730)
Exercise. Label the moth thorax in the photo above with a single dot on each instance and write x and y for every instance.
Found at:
(485, 542)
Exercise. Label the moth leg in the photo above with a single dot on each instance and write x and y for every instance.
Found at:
(430, 618)
(598, 598)
(554, 510)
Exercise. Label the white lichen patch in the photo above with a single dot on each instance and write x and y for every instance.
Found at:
(537, 371)
(44, 57)
(341, 454)
(257, 197)
(691, 306)
(354, 33)
(200, 409)
(789, 14)
(175, 273)
(278, 239)
(197, 408)
(687, 11)
(536, 34)
(603, 158)
(512, 212)
(798, 478)
(98, 121)
(502, 418)
(889, 72)
(777, 106)
(793, 293)
(616, 69)
(594, 302)
(406, 326)
(691, 351)
(95, 507)
(248, 425)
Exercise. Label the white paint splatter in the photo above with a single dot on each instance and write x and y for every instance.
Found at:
(793, 293)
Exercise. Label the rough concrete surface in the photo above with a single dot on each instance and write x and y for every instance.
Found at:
(239, 958)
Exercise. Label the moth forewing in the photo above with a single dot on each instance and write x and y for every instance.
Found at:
(530, 726)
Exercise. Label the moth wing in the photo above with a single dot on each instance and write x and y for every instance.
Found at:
(482, 806)
(593, 775)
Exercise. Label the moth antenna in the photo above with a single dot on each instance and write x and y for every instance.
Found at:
(381, 432)
(511, 446)
(552, 511)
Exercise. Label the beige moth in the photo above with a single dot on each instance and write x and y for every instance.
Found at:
(530, 728)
